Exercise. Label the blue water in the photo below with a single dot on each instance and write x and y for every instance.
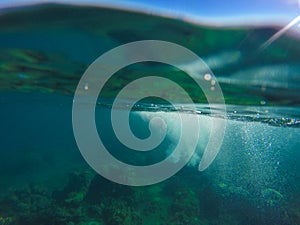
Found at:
(38, 135)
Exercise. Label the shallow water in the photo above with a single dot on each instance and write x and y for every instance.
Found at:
(44, 179)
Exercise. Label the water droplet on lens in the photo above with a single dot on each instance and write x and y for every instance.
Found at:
(263, 102)
(207, 76)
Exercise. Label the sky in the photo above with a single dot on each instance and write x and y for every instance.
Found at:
(222, 11)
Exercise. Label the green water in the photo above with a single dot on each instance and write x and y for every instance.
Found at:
(45, 50)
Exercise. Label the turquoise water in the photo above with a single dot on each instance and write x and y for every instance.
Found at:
(44, 179)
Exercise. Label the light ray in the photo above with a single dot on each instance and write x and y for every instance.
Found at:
(280, 33)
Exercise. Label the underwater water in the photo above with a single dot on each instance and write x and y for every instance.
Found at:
(45, 49)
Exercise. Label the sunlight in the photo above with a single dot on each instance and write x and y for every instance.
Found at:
(283, 30)
(280, 33)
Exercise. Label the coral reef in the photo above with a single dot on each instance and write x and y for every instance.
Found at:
(185, 208)
(121, 213)
(88, 199)
(31, 205)
(6, 220)
(272, 197)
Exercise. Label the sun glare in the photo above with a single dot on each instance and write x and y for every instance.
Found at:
(282, 31)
